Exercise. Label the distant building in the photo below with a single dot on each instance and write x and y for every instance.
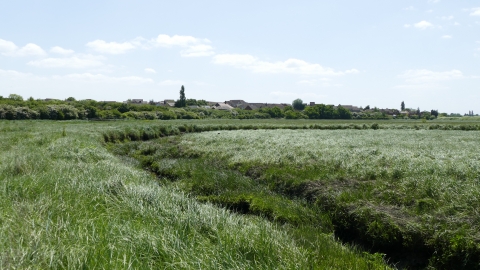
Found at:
(351, 108)
(222, 106)
(136, 101)
(169, 102)
(237, 103)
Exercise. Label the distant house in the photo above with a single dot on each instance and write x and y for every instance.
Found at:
(351, 108)
(390, 111)
(211, 103)
(312, 103)
(137, 101)
(169, 102)
(278, 105)
(222, 106)
(250, 107)
(236, 103)
(258, 105)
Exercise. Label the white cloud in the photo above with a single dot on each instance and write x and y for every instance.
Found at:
(15, 75)
(423, 25)
(409, 8)
(150, 70)
(76, 77)
(475, 12)
(293, 66)
(77, 61)
(423, 79)
(30, 49)
(197, 51)
(309, 82)
(183, 41)
(352, 71)
(60, 50)
(194, 47)
(422, 76)
(102, 46)
(171, 82)
(100, 78)
(80, 85)
(9, 48)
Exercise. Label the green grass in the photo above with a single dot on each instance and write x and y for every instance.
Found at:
(67, 202)
(407, 189)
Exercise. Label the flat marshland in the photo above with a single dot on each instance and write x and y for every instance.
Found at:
(215, 194)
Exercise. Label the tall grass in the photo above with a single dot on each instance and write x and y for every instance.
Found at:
(66, 202)
(410, 193)
(392, 190)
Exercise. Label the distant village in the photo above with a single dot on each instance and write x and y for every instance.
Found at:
(232, 104)
(241, 104)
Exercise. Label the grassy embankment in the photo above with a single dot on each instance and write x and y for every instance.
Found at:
(66, 202)
(410, 193)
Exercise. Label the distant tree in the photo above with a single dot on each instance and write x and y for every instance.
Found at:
(418, 111)
(287, 108)
(71, 99)
(434, 113)
(293, 115)
(191, 102)
(402, 106)
(151, 102)
(343, 113)
(312, 112)
(367, 107)
(123, 108)
(15, 97)
(182, 102)
(298, 105)
(202, 102)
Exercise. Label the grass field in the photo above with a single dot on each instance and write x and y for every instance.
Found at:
(402, 188)
(67, 202)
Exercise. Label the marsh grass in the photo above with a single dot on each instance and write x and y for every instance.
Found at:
(66, 202)
(411, 193)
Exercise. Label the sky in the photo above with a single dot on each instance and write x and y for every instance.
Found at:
(372, 52)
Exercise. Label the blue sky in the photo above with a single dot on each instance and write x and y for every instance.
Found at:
(377, 53)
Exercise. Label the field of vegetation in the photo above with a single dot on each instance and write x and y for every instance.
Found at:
(240, 194)
(409, 190)
(68, 202)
